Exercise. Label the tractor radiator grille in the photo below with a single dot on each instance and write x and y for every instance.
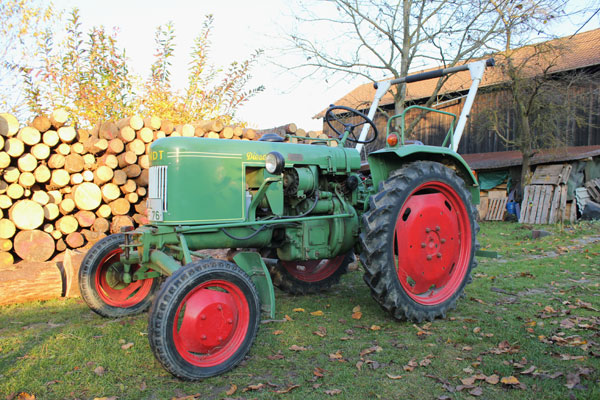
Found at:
(157, 185)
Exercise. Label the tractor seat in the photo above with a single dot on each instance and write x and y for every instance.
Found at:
(271, 137)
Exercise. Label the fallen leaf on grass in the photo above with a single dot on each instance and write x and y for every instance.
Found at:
(277, 332)
(568, 357)
(297, 348)
(25, 396)
(318, 372)
(288, 318)
(277, 356)
(492, 379)
(333, 392)
(468, 381)
(127, 346)
(426, 361)
(510, 380)
(99, 370)
(321, 331)
(318, 313)
(375, 327)
(411, 365)
(231, 390)
(394, 376)
(298, 310)
(253, 387)
(287, 390)
(356, 309)
(373, 349)
(357, 315)
(529, 370)
(476, 392)
(336, 356)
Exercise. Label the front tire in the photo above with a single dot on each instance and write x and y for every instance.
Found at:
(419, 241)
(204, 319)
(101, 284)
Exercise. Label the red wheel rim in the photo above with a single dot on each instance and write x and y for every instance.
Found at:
(313, 270)
(211, 323)
(110, 286)
(432, 243)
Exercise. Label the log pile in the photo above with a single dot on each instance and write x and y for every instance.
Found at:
(63, 188)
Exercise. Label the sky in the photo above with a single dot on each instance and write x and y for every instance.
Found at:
(240, 27)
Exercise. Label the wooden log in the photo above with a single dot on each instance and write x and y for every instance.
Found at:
(119, 222)
(77, 148)
(94, 145)
(6, 245)
(159, 134)
(140, 219)
(27, 214)
(85, 218)
(141, 191)
(60, 245)
(71, 264)
(6, 260)
(152, 122)
(119, 177)
(29, 281)
(90, 161)
(198, 131)
(88, 176)
(56, 161)
(129, 187)
(50, 138)
(11, 125)
(2, 142)
(74, 163)
(109, 160)
(3, 186)
(91, 236)
(227, 132)
(63, 149)
(29, 135)
(104, 211)
(145, 135)
(67, 224)
(26, 180)
(74, 240)
(55, 196)
(40, 197)
(144, 161)
(27, 162)
(56, 234)
(115, 146)
(58, 117)
(212, 135)
(41, 151)
(142, 180)
(34, 245)
(101, 225)
(140, 208)
(132, 197)
(7, 228)
(4, 159)
(119, 206)
(136, 146)
(76, 179)
(102, 175)
(126, 158)
(14, 147)
(215, 125)
(110, 192)
(67, 134)
(108, 131)
(15, 191)
(51, 211)
(132, 171)
(41, 123)
(249, 134)
(167, 127)
(238, 131)
(135, 121)
(59, 178)
(87, 196)
(42, 174)
(11, 174)
(126, 134)
(66, 206)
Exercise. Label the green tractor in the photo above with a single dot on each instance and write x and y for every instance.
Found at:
(297, 213)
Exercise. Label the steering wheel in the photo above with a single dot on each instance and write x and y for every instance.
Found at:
(331, 116)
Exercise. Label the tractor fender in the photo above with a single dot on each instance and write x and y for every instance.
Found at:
(384, 161)
(255, 267)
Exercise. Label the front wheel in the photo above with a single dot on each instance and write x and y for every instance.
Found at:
(102, 286)
(419, 241)
(204, 319)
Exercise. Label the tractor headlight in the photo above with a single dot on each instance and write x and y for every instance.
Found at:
(274, 163)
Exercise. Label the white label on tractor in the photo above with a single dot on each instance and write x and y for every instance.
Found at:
(155, 211)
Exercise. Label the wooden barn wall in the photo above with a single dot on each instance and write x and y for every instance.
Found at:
(477, 138)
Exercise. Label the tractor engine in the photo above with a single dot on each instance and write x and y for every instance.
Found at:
(298, 200)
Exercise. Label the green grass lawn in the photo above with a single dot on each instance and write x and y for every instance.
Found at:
(527, 328)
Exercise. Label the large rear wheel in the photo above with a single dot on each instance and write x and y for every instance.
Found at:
(102, 286)
(419, 241)
(204, 319)
(310, 276)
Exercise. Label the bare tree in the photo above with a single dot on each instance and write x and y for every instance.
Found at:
(378, 39)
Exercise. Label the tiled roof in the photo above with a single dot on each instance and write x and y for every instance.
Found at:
(580, 51)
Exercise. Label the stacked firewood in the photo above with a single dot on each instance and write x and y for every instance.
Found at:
(293, 134)
(62, 188)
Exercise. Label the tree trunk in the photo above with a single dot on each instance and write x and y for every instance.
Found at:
(34, 245)
(29, 281)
